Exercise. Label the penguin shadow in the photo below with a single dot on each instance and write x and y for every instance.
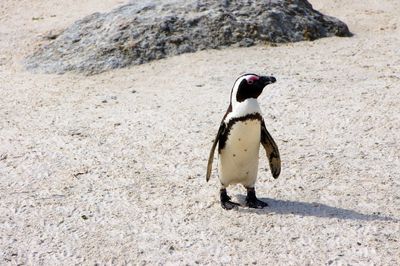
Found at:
(286, 207)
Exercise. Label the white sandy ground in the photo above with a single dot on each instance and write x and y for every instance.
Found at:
(91, 172)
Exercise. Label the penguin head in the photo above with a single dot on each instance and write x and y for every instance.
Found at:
(250, 86)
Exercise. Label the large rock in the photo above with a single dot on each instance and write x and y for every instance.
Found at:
(140, 32)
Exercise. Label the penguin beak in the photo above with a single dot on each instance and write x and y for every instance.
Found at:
(267, 80)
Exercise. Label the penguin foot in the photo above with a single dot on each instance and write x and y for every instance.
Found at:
(252, 201)
(226, 202)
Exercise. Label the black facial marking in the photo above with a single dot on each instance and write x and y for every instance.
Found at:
(248, 90)
(252, 86)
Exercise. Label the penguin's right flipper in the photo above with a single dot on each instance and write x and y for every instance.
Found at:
(211, 157)
(272, 151)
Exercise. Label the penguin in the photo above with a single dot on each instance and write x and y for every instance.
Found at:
(239, 136)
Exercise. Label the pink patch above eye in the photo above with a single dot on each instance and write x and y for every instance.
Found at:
(252, 78)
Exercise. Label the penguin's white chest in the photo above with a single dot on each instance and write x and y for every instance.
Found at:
(238, 161)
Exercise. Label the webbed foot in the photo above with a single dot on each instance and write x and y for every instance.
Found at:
(226, 202)
(252, 201)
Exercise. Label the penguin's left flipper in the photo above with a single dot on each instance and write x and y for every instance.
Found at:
(211, 157)
(272, 151)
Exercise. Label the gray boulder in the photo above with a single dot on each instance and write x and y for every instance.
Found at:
(137, 33)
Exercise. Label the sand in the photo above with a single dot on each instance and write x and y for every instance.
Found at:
(110, 168)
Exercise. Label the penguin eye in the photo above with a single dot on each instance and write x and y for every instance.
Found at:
(251, 79)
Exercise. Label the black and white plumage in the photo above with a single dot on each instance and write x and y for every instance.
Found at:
(240, 134)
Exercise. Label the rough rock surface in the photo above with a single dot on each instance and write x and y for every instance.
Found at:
(140, 32)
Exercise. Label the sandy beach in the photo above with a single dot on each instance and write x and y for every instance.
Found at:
(110, 168)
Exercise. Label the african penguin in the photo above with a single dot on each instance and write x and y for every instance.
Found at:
(239, 136)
